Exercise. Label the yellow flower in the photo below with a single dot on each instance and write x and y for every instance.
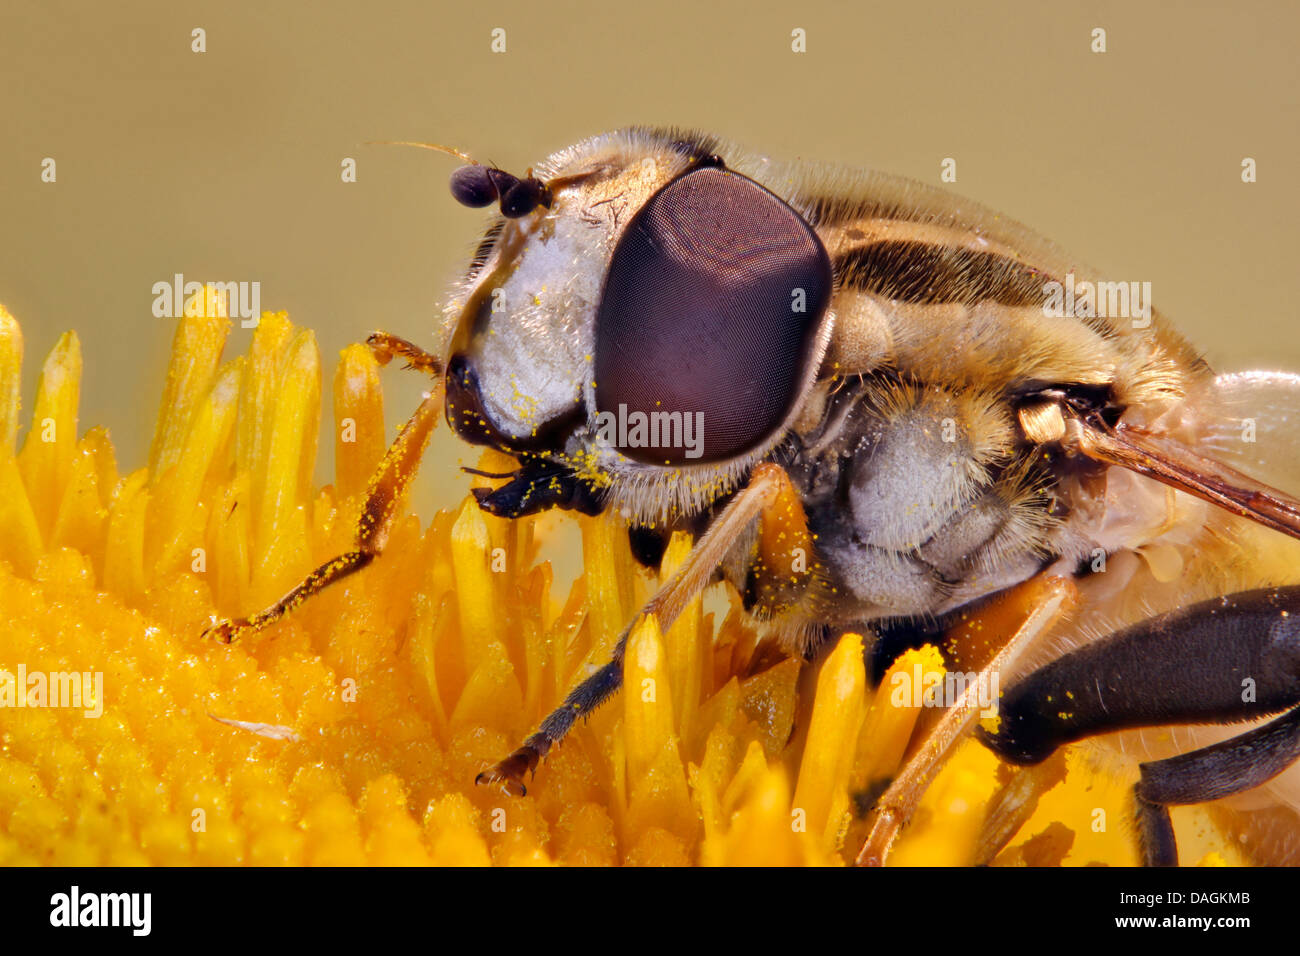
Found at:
(351, 732)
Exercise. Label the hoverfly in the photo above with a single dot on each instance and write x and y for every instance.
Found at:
(860, 395)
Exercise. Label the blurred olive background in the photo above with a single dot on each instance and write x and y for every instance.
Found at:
(225, 165)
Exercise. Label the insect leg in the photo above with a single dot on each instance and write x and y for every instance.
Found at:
(1230, 659)
(387, 346)
(1031, 609)
(765, 488)
(1221, 770)
(1013, 805)
(382, 505)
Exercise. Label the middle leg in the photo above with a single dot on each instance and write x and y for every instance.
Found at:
(768, 488)
(1028, 611)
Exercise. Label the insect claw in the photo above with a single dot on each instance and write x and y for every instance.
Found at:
(509, 773)
(510, 786)
(223, 631)
(379, 349)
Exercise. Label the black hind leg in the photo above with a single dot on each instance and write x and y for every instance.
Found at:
(1228, 660)
(1232, 766)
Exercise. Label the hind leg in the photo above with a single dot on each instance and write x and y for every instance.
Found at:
(1232, 766)
(1228, 660)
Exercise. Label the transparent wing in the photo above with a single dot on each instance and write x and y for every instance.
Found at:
(1252, 441)
(1249, 452)
(1256, 426)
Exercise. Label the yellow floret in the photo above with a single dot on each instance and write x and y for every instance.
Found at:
(352, 731)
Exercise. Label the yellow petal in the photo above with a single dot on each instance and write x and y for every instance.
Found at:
(476, 592)
(173, 532)
(822, 791)
(46, 458)
(609, 582)
(11, 369)
(257, 402)
(20, 536)
(685, 641)
(280, 556)
(359, 440)
(82, 520)
(196, 352)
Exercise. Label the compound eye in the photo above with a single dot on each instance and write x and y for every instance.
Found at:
(708, 321)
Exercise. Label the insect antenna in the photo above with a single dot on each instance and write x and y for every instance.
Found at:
(436, 147)
(477, 185)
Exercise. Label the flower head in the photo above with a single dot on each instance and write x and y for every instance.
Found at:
(351, 732)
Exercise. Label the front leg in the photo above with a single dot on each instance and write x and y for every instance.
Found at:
(386, 347)
(1227, 660)
(382, 505)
